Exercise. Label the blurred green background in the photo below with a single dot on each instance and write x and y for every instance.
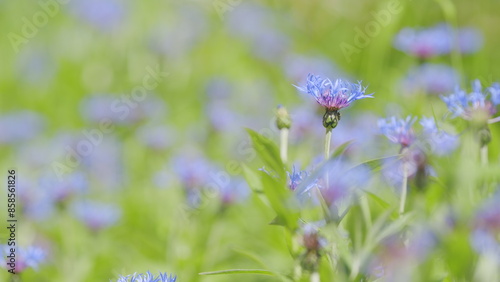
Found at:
(248, 53)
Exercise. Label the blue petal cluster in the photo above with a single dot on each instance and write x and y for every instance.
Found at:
(147, 277)
(398, 131)
(462, 104)
(333, 95)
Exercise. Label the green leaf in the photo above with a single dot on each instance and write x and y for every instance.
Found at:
(377, 199)
(376, 164)
(341, 149)
(252, 178)
(268, 152)
(239, 271)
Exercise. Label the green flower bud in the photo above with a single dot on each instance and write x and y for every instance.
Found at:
(283, 119)
(331, 119)
(484, 136)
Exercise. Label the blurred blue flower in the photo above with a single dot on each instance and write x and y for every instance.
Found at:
(484, 238)
(398, 131)
(96, 215)
(441, 142)
(236, 190)
(35, 66)
(484, 243)
(430, 78)
(333, 96)
(105, 163)
(31, 256)
(495, 93)
(20, 126)
(468, 106)
(147, 277)
(470, 40)
(106, 15)
(157, 137)
(437, 40)
(296, 177)
(426, 42)
(339, 179)
(60, 190)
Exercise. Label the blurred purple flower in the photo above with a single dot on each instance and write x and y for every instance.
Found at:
(430, 78)
(20, 126)
(96, 215)
(333, 96)
(26, 257)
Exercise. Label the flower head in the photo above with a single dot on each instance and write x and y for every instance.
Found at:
(398, 131)
(147, 277)
(295, 178)
(333, 95)
(473, 105)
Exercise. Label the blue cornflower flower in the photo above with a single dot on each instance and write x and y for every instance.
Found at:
(25, 257)
(333, 95)
(296, 177)
(147, 277)
(470, 105)
(398, 131)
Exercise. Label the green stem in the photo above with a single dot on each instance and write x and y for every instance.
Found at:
(484, 156)
(315, 277)
(284, 144)
(328, 138)
(404, 189)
